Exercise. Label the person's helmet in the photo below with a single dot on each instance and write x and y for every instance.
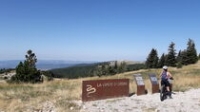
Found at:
(165, 67)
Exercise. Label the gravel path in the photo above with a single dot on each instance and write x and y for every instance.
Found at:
(188, 101)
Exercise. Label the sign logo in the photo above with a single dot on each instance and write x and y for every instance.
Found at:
(90, 90)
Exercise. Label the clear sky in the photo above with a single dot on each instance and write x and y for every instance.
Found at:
(96, 30)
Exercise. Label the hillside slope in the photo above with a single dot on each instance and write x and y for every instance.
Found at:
(64, 95)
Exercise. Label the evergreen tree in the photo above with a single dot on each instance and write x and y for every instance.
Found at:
(161, 61)
(102, 69)
(31, 58)
(20, 68)
(179, 59)
(122, 67)
(184, 57)
(199, 55)
(105, 69)
(27, 71)
(171, 56)
(191, 52)
(98, 71)
(116, 70)
(111, 70)
(152, 60)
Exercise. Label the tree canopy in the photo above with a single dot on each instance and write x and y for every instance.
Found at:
(161, 61)
(26, 71)
(171, 56)
(152, 60)
(184, 57)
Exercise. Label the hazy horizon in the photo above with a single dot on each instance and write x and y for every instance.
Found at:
(51, 64)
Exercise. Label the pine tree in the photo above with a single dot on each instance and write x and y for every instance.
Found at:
(199, 56)
(184, 57)
(111, 70)
(171, 56)
(116, 68)
(152, 60)
(161, 61)
(191, 52)
(122, 67)
(19, 68)
(31, 58)
(99, 70)
(27, 71)
(103, 68)
(179, 59)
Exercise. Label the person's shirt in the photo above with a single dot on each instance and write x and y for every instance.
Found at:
(165, 75)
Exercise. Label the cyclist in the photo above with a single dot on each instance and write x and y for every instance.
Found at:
(165, 76)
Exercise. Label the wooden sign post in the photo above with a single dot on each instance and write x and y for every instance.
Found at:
(154, 83)
(140, 84)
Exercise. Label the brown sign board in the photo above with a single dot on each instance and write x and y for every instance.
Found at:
(140, 84)
(103, 89)
(154, 83)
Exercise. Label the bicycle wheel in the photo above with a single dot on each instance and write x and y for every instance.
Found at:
(162, 93)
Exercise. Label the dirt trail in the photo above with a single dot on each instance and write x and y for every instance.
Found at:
(188, 101)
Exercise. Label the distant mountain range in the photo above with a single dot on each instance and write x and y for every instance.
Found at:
(43, 64)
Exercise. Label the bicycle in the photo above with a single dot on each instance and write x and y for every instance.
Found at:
(163, 91)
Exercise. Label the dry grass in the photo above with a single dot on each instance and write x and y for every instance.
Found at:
(62, 92)
(22, 97)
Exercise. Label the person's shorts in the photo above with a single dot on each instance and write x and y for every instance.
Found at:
(165, 82)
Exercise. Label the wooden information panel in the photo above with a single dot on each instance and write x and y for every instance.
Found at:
(154, 83)
(102, 89)
(140, 84)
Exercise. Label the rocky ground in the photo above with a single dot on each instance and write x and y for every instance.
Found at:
(188, 101)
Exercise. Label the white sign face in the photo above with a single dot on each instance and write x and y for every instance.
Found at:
(154, 79)
(139, 80)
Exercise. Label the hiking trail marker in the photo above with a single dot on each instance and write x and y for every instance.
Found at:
(140, 84)
(154, 83)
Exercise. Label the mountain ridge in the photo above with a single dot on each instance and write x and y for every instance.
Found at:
(52, 64)
(42, 64)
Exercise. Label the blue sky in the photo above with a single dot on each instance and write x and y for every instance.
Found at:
(96, 30)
